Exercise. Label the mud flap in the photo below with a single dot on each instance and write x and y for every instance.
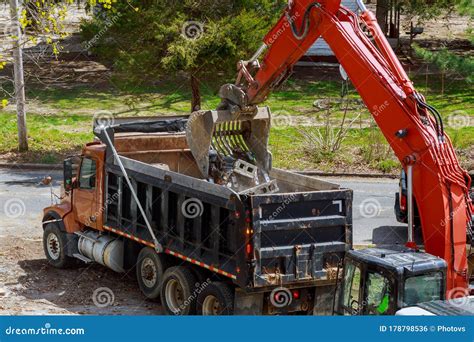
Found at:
(248, 304)
(324, 300)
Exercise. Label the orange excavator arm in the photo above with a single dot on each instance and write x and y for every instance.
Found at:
(413, 128)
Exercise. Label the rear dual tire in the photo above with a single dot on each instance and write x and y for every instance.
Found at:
(182, 290)
(216, 299)
(179, 291)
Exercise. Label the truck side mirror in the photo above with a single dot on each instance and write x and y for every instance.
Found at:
(67, 167)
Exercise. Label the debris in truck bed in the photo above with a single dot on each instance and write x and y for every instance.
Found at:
(231, 148)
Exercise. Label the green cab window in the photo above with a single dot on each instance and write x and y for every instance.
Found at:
(378, 294)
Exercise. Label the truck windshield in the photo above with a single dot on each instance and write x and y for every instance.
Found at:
(423, 288)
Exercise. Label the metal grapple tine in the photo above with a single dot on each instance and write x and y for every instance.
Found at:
(227, 131)
(240, 138)
(224, 136)
(220, 142)
(232, 125)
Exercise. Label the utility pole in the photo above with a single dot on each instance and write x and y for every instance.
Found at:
(19, 75)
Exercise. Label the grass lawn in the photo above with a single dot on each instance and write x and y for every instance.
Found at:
(59, 121)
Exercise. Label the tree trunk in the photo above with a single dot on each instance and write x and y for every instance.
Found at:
(196, 99)
(442, 82)
(19, 77)
(383, 7)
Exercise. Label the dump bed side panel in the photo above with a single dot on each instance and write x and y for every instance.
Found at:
(197, 227)
(301, 236)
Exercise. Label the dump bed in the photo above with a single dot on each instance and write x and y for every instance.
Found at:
(294, 235)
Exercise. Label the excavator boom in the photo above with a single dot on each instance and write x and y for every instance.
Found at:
(413, 128)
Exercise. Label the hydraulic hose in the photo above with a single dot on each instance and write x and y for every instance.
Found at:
(302, 32)
(436, 115)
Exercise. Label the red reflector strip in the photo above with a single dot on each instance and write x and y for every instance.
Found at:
(199, 263)
(173, 253)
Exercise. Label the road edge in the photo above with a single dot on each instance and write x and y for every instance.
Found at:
(31, 166)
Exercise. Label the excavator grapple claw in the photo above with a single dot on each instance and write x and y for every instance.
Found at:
(231, 148)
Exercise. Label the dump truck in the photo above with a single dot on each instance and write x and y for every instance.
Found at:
(156, 195)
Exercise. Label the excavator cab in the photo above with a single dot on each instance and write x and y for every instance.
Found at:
(381, 281)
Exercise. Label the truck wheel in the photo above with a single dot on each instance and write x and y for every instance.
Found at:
(178, 291)
(54, 245)
(216, 299)
(150, 269)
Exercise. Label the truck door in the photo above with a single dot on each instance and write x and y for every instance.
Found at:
(351, 299)
(85, 193)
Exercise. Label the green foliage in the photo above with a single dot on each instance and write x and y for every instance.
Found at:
(427, 9)
(154, 38)
(446, 60)
(388, 165)
(465, 7)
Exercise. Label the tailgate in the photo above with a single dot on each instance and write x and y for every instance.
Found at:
(300, 236)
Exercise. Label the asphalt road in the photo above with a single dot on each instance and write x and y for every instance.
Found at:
(22, 198)
(373, 214)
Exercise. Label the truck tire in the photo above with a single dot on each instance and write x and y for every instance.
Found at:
(401, 217)
(150, 269)
(217, 299)
(178, 294)
(54, 245)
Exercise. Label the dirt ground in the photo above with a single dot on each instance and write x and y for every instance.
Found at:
(28, 285)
